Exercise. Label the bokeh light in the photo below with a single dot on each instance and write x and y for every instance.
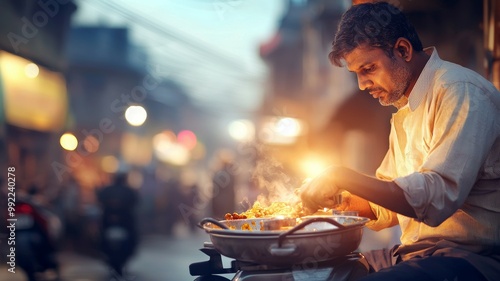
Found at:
(31, 70)
(91, 144)
(187, 138)
(313, 166)
(68, 141)
(242, 130)
(136, 115)
(110, 164)
(289, 127)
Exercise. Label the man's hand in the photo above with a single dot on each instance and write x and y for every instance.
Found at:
(320, 192)
(351, 202)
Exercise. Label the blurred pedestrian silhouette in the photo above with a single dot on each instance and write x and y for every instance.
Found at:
(223, 185)
(118, 235)
(190, 192)
(69, 209)
(170, 200)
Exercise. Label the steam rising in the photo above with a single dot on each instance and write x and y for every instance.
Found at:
(272, 180)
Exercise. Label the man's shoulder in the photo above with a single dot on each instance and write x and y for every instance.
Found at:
(451, 73)
(456, 80)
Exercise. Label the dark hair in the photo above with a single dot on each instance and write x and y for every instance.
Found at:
(377, 25)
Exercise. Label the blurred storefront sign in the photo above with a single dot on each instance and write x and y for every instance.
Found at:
(34, 97)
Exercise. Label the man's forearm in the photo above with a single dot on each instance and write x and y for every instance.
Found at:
(384, 193)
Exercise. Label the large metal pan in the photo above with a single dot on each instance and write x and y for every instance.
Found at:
(314, 239)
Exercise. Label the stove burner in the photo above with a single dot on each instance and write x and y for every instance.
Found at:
(212, 266)
(346, 268)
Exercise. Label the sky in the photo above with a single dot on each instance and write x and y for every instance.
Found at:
(208, 46)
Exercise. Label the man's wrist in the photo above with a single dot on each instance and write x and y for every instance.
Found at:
(356, 203)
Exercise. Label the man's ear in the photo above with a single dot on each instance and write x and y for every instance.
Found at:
(403, 49)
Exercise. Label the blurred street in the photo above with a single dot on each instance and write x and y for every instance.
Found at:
(201, 108)
(159, 258)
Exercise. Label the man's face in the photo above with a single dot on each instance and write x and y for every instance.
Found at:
(385, 78)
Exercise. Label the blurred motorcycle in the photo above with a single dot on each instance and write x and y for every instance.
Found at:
(119, 236)
(118, 245)
(37, 230)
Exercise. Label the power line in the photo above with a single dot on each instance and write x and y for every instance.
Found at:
(182, 71)
(189, 56)
(175, 63)
(150, 25)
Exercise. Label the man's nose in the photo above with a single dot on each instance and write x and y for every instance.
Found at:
(364, 83)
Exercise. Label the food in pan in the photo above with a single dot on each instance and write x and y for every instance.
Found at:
(258, 210)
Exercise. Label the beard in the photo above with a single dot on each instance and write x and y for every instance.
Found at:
(401, 80)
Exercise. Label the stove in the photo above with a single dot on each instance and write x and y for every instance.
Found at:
(346, 268)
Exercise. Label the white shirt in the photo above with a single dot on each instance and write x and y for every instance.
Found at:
(445, 154)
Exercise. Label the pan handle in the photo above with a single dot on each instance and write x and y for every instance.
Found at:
(213, 221)
(303, 224)
(282, 250)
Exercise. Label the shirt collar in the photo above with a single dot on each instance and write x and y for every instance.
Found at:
(424, 81)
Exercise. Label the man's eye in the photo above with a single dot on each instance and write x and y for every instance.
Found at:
(369, 69)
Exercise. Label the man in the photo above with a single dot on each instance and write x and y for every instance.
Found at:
(440, 179)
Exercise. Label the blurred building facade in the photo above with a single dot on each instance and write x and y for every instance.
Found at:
(59, 78)
(104, 69)
(33, 91)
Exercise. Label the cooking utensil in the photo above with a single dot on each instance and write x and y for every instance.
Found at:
(314, 239)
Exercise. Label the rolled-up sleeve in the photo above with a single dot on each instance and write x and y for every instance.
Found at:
(385, 218)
